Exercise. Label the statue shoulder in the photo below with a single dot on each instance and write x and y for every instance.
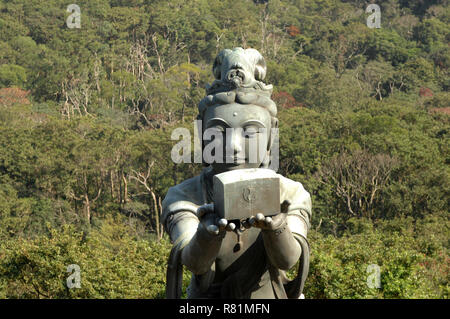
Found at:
(295, 192)
(189, 189)
(186, 196)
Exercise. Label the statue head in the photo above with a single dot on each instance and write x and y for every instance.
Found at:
(238, 115)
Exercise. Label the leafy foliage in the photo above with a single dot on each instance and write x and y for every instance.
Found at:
(86, 117)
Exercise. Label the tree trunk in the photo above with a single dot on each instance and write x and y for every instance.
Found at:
(111, 177)
(155, 207)
(120, 189)
(87, 205)
(125, 188)
(160, 209)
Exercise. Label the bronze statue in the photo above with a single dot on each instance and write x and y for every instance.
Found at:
(238, 226)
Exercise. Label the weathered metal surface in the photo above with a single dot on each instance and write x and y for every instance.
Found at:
(242, 193)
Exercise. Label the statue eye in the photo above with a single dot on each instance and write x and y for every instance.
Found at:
(213, 132)
(217, 129)
(250, 131)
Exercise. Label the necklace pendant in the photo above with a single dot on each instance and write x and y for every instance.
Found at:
(239, 243)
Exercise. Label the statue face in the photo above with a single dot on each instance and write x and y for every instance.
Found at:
(236, 135)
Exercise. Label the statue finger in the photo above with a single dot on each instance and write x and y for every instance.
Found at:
(231, 227)
(269, 221)
(213, 229)
(205, 209)
(222, 223)
(259, 217)
(246, 224)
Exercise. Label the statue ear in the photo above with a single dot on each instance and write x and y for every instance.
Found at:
(200, 135)
(271, 136)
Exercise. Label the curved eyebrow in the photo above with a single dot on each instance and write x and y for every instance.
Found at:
(216, 120)
(253, 122)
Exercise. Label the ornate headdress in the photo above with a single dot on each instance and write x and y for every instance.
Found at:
(239, 74)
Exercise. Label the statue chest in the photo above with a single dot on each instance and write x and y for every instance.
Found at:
(236, 250)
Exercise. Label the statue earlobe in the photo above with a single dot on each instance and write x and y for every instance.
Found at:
(274, 122)
(202, 142)
(271, 136)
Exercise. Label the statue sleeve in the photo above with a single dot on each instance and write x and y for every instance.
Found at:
(298, 219)
(299, 213)
(179, 209)
(180, 221)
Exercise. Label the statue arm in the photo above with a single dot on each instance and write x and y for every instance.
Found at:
(280, 236)
(281, 246)
(282, 240)
(199, 246)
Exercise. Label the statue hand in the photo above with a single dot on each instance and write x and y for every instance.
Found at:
(269, 223)
(211, 223)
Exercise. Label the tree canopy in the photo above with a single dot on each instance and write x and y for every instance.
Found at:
(86, 116)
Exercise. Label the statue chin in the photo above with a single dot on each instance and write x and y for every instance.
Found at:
(225, 167)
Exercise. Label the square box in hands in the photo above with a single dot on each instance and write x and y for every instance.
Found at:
(242, 193)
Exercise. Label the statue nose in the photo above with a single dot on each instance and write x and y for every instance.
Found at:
(236, 141)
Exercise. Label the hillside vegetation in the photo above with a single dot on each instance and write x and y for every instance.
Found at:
(86, 116)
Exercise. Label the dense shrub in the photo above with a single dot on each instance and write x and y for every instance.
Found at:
(412, 256)
(86, 117)
(113, 264)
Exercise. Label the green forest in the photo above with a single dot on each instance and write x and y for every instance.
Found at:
(86, 116)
